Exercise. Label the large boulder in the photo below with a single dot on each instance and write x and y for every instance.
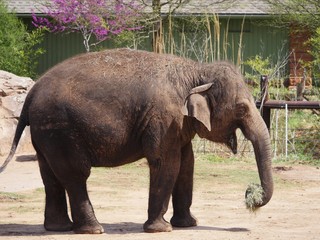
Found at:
(13, 91)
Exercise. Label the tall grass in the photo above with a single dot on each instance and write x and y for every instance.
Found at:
(205, 39)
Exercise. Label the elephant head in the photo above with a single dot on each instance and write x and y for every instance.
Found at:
(224, 104)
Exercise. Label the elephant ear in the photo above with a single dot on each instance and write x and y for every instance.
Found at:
(196, 105)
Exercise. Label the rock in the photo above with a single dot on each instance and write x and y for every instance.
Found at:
(13, 91)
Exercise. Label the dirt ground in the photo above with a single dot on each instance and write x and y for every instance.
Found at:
(120, 197)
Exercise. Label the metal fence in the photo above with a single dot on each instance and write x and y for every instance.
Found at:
(300, 143)
(202, 146)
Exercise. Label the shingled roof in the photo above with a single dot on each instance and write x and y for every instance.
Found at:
(22, 6)
(229, 7)
(194, 7)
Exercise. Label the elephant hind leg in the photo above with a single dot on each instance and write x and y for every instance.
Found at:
(65, 168)
(56, 213)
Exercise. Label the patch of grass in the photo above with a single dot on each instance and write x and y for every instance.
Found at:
(127, 175)
(23, 208)
(297, 158)
(212, 158)
(237, 172)
(223, 169)
(6, 196)
(39, 190)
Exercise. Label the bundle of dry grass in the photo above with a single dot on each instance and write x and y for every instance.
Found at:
(254, 196)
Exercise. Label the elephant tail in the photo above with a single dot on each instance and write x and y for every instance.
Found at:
(22, 123)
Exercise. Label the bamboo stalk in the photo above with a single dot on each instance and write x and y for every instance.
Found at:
(226, 41)
(217, 34)
(171, 44)
(210, 38)
(183, 43)
(239, 57)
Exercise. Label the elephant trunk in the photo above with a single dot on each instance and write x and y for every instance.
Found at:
(256, 131)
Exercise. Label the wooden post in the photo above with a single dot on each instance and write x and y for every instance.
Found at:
(264, 81)
(266, 115)
(301, 86)
(265, 111)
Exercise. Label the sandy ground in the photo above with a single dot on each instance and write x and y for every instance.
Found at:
(120, 199)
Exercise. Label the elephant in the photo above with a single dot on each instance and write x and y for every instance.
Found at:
(113, 107)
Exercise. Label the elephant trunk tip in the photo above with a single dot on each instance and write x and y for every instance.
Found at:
(255, 197)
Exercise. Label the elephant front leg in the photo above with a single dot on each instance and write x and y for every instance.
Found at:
(163, 174)
(182, 192)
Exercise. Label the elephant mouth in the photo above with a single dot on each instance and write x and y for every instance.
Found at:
(232, 142)
(229, 140)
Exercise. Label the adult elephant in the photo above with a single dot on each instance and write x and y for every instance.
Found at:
(114, 107)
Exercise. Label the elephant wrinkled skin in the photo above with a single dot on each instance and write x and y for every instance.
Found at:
(114, 107)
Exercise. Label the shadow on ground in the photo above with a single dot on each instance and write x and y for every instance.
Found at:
(114, 228)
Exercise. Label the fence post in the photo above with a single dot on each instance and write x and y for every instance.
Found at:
(286, 143)
(264, 81)
(265, 111)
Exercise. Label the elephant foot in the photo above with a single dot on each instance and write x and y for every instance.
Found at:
(157, 226)
(188, 221)
(61, 226)
(95, 228)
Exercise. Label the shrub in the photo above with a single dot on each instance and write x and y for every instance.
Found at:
(315, 52)
(19, 47)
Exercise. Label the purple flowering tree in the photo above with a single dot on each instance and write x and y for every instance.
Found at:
(98, 18)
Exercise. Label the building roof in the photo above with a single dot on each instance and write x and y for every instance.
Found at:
(22, 6)
(227, 7)
(194, 7)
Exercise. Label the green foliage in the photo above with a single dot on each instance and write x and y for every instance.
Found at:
(126, 38)
(305, 15)
(315, 52)
(303, 125)
(131, 39)
(306, 135)
(258, 67)
(18, 46)
(191, 24)
(303, 137)
(303, 12)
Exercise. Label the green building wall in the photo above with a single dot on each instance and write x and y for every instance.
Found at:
(188, 41)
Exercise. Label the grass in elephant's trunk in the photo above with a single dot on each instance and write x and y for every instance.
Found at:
(254, 195)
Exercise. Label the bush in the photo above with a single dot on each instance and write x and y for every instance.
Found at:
(18, 46)
(315, 52)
